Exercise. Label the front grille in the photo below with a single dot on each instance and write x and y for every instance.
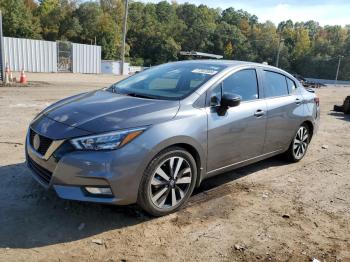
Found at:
(44, 142)
(43, 174)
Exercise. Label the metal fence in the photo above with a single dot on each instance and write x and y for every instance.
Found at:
(45, 56)
(30, 55)
(86, 59)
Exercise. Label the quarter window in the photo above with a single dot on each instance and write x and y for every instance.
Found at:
(243, 83)
(291, 85)
(216, 94)
(275, 84)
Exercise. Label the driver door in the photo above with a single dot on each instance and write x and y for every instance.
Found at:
(239, 133)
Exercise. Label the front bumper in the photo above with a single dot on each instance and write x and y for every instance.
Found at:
(69, 173)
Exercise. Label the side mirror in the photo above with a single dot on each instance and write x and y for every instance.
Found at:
(214, 101)
(230, 100)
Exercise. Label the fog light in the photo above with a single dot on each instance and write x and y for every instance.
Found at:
(99, 191)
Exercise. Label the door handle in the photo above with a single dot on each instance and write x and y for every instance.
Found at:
(298, 101)
(259, 113)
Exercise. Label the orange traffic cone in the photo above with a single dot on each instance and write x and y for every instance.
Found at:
(23, 78)
(7, 74)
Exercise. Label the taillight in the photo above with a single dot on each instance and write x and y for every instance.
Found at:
(317, 101)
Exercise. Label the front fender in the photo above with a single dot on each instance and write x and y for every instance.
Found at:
(189, 129)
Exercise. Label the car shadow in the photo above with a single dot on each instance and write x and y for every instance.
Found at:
(33, 217)
(340, 115)
(215, 182)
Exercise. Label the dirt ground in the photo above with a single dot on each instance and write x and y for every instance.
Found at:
(269, 211)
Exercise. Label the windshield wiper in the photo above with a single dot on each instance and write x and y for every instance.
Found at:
(114, 89)
(139, 95)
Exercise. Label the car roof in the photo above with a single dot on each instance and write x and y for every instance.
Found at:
(237, 63)
(228, 63)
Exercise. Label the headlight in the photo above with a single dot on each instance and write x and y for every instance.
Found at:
(107, 141)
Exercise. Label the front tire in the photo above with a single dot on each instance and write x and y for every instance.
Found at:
(299, 145)
(168, 182)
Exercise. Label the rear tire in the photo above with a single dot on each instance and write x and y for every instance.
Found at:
(299, 145)
(168, 182)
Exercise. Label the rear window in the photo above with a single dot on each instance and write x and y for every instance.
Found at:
(275, 84)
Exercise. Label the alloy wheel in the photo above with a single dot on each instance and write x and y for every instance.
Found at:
(170, 182)
(301, 142)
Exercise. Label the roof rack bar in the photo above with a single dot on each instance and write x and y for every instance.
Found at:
(201, 54)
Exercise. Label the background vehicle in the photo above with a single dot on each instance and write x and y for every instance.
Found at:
(153, 137)
(307, 83)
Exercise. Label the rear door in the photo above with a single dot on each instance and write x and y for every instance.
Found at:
(238, 134)
(284, 110)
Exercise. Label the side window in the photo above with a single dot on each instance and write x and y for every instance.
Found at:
(243, 83)
(275, 84)
(291, 85)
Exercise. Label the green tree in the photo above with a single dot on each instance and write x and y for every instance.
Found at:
(31, 4)
(100, 25)
(302, 43)
(18, 20)
(49, 14)
(264, 41)
(58, 20)
(228, 52)
(157, 32)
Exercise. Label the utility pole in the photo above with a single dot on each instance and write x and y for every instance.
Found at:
(2, 54)
(336, 76)
(124, 36)
(280, 41)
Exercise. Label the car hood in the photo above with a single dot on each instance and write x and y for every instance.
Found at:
(102, 111)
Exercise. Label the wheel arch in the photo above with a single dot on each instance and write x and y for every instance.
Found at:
(310, 125)
(193, 147)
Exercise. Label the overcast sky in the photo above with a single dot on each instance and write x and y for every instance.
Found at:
(336, 12)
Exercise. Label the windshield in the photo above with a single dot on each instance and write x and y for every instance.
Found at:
(169, 81)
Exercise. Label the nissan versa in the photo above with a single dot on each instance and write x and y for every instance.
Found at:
(153, 137)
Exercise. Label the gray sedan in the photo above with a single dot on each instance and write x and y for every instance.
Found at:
(155, 136)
